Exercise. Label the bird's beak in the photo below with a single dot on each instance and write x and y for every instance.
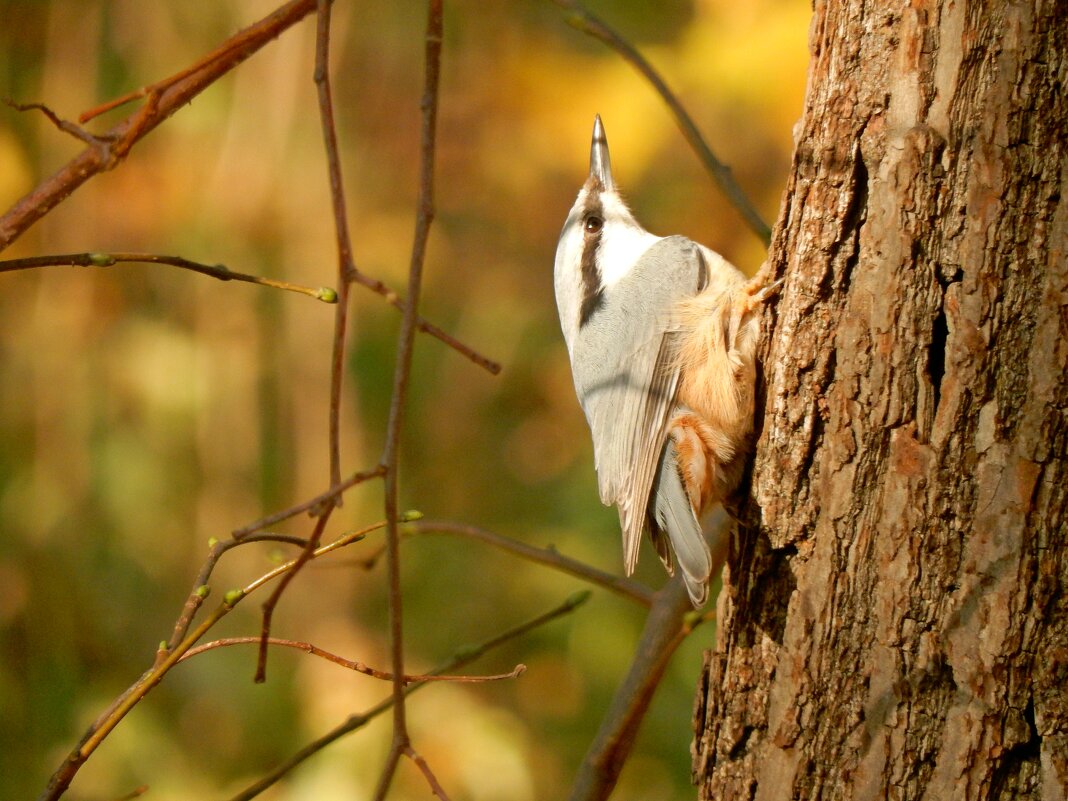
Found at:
(600, 164)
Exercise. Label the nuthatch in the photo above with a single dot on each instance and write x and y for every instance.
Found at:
(661, 332)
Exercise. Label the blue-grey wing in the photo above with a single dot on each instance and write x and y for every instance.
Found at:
(627, 380)
(673, 522)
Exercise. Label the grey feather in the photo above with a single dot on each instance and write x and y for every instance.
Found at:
(673, 515)
(629, 397)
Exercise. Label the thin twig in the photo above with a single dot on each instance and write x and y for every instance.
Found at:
(312, 506)
(66, 126)
(306, 555)
(358, 667)
(427, 327)
(462, 657)
(348, 273)
(145, 91)
(113, 146)
(582, 19)
(106, 723)
(345, 266)
(201, 589)
(220, 271)
(428, 774)
(401, 376)
(549, 557)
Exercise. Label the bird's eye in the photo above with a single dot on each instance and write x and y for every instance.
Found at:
(593, 224)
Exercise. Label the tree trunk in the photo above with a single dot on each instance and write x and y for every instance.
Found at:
(894, 619)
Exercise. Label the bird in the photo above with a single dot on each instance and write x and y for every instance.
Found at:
(661, 333)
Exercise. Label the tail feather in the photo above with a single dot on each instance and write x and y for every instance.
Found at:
(674, 515)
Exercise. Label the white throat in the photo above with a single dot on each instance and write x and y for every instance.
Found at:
(620, 249)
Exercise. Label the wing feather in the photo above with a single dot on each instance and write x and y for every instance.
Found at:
(676, 523)
(627, 381)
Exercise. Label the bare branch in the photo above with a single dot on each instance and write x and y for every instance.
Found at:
(306, 555)
(113, 146)
(106, 723)
(582, 19)
(201, 589)
(670, 621)
(106, 151)
(550, 557)
(312, 506)
(345, 266)
(358, 667)
(462, 657)
(428, 774)
(219, 53)
(402, 374)
(66, 126)
(427, 327)
(220, 271)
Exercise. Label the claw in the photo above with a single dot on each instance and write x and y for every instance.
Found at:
(765, 293)
(758, 285)
(754, 293)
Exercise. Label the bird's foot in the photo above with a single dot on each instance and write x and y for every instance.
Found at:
(757, 290)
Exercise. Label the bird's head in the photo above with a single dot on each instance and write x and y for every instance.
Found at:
(599, 244)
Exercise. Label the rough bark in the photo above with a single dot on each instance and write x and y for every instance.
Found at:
(894, 620)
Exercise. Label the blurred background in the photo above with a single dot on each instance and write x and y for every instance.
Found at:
(146, 409)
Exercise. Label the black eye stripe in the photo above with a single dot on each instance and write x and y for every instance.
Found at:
(592, 291)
